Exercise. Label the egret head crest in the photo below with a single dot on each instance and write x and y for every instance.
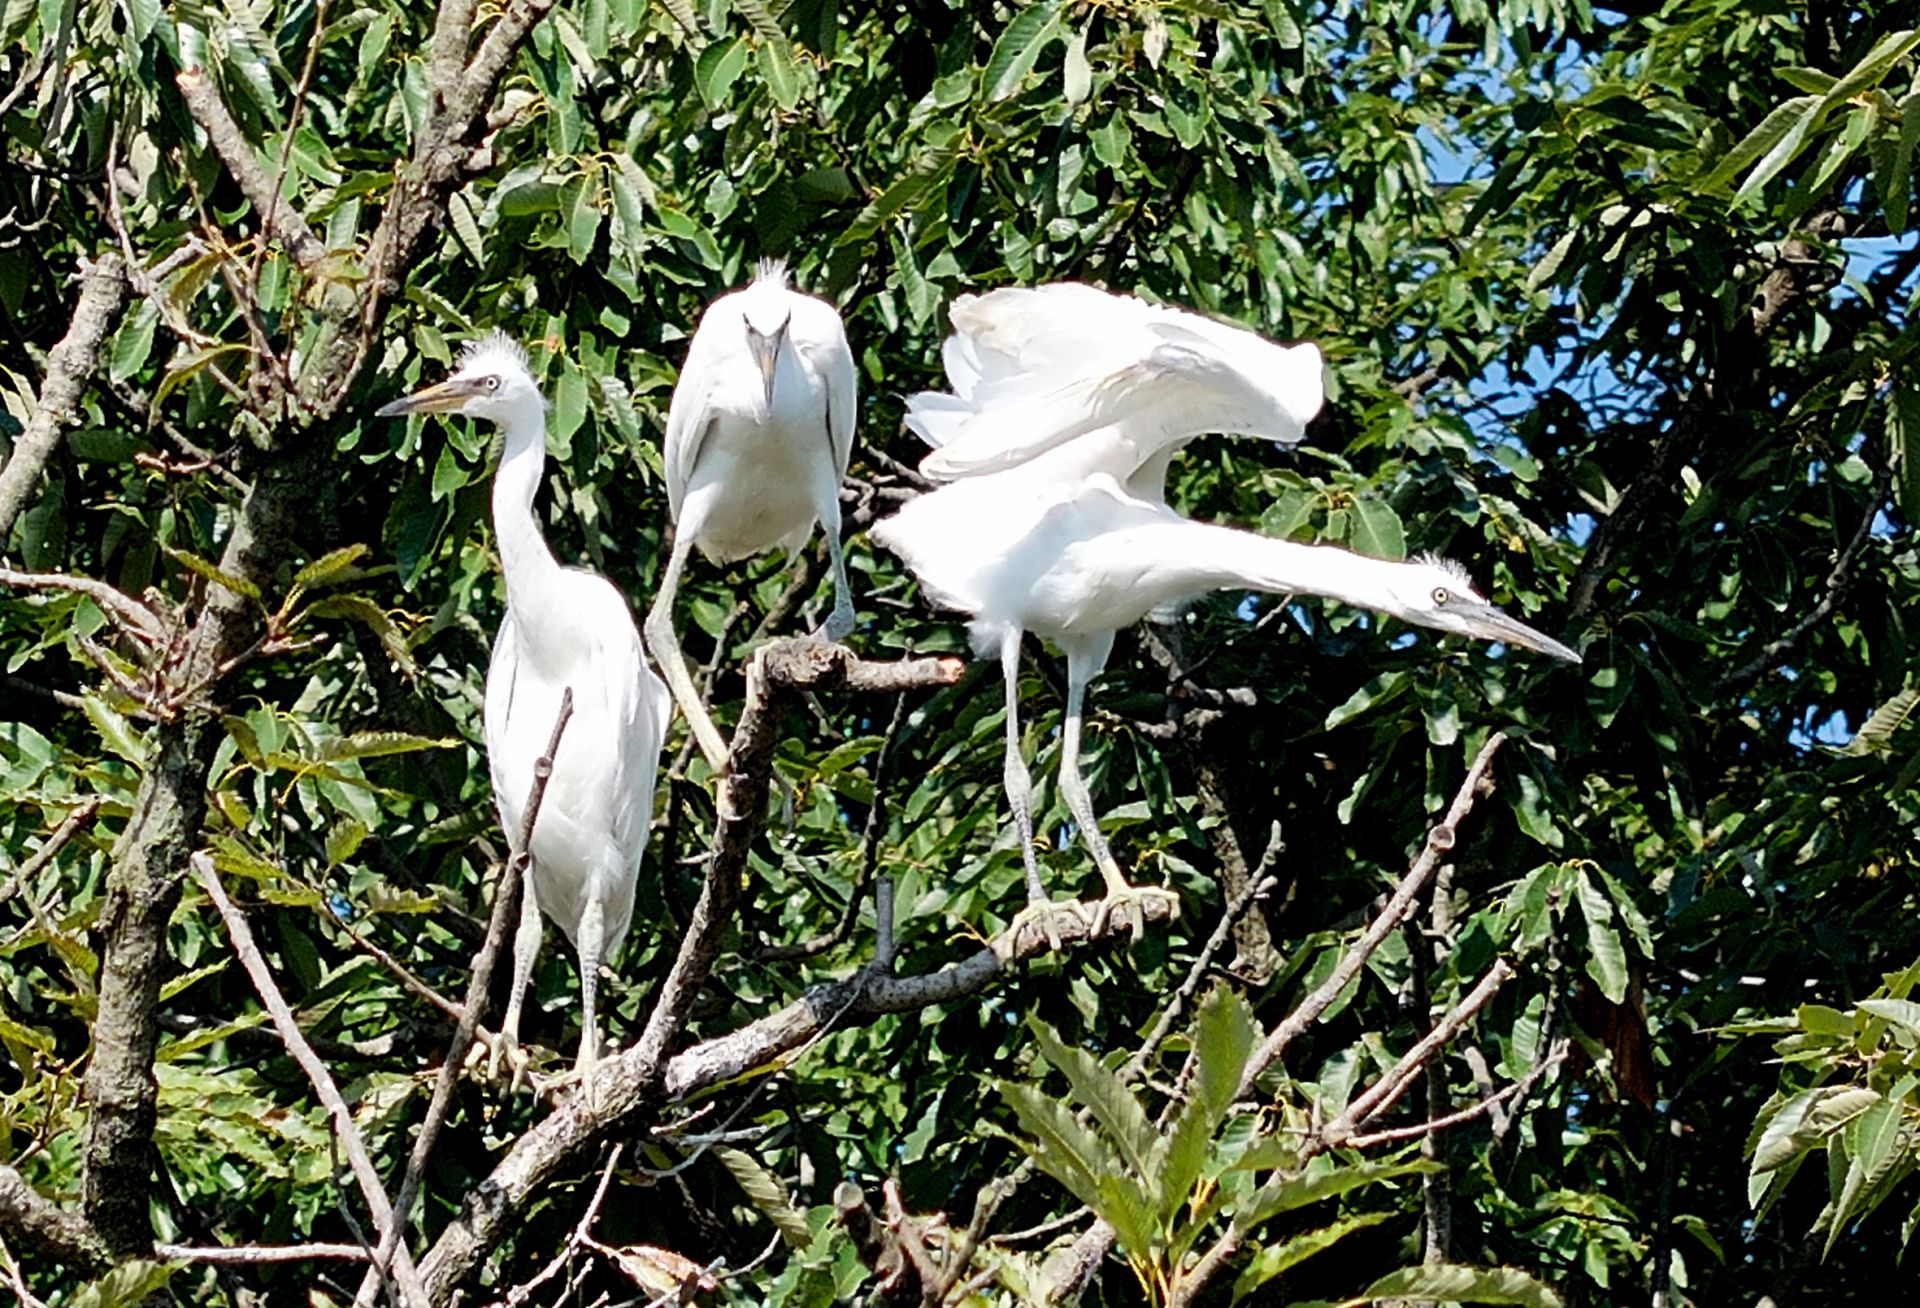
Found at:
(773, 271)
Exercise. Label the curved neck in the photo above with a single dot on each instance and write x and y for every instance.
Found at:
(524, 556)
(1187, 557)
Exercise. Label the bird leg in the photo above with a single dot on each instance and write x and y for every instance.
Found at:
(1120, 893)
(839, 623)
(665, 645)
(591, 942)
(526, 948)
(1040, 907)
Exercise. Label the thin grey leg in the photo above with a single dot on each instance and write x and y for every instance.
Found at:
(665, 646)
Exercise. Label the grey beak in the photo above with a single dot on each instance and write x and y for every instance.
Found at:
(1490, 623)
(765, 348)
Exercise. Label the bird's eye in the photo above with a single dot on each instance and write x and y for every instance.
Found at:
(1440, 596)
(493, 383)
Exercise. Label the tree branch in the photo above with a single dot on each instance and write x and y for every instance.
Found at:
(64, 1236)
(317, 1075)
(280, 218)
(1479, 1108)
(103, 289)
(1439, 841)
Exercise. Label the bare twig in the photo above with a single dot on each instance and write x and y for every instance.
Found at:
(127, 613)
(506, 908)
(280, 219)
(1480, 1107)
(1838, 582)
(103, 289)
(322, 1081)
(251, 1255)
(1170, 1014)
(1387, 1090)
(81, 814)
(1439, 840)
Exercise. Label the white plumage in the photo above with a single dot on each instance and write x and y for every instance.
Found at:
(1068, 402)
(564, 627)
(1122, 382)
(759, 433)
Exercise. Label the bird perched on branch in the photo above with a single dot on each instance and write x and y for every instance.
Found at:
(758, 437)
(1122, 383)
(564, 628)
(1076, 558)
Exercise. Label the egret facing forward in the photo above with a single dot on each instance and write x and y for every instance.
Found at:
(1121, 382)
(564, 627)
(1076, 560)
(758, 437)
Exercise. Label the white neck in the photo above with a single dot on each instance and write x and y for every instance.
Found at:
(1190, 557)
(524, 556)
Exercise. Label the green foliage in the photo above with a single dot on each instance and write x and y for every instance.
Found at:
(1530, 236)
(1850, 1088)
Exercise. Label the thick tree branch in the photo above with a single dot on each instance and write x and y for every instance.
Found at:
(103, 289)
(345, 1128)
(61, 1235)
(278, 215)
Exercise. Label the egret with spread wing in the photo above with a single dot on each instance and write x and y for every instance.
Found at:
(758, 437)
(564, 627)
(1121, 382)
(1076, 559)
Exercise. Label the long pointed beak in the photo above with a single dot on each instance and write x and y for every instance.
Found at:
(765, 349)
(443, 397)
(1490, 623)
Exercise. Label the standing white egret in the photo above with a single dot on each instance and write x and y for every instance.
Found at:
(1075, 560)
(564, 627)
(758, 437)
(1121, 382)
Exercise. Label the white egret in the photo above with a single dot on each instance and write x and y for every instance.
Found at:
(564, 627)
(1122, 382)
(758, 437)
(1076, 559)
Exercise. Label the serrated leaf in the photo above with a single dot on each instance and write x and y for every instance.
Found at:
(1903, 1012)
(115, 730)
(378, 744)
(1783, 152)
(361, 609)
(1096, 1087)
(768, 1195)
(1285, 1193)
(780, 71)
(717, 69)
(1876, 733)
(195, 564)
(1762, 139)
(1063, 1148)
(1277, 1258)
(330, 567)
(1377, 530)
(1460, 1284)
(1873, 1147)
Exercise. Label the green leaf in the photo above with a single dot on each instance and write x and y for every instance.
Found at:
(378, 744)
(1818, 1019)
(361, 609)
(768, 1195)
(133, 344)
(1383, 689)
(330, 567)
(1903, 1012)
(115, 730)
(1903, 435)
(1451, 1281)
(1874, 67)
(1096, 1087)
(1377, 531)
(1607, 953)
(128, 1285)
(1773, 129)
(195, 564)
(1061, 1147)
(780, 71)
(1285, 1193)
(1873, 1147)
(717, 69)
(1277, 1258)
(1783, 152)
(1077, 72)
(1018, 49)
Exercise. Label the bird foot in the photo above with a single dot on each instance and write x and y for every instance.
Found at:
(1049, 916)
(505, 1055)
(1132, 901)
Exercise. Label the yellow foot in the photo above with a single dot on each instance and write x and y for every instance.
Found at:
(1131, 902)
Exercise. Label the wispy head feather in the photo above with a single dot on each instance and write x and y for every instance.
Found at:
(496, 347)
(774, 271)
(1446, 565)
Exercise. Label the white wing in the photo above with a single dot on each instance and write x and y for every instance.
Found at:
(821, 339)
(1035, 368)
(689, 415)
